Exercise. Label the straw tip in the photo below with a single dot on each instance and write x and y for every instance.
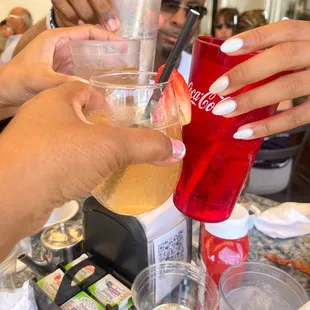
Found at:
(195, 12)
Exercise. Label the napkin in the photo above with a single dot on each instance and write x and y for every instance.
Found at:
(288, 220)
(19, 299)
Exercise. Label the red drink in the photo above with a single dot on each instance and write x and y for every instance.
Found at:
(216, 165)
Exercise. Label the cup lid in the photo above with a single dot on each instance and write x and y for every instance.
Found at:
(235, 227)
(62, 236)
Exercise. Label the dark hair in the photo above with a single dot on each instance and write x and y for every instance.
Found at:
(229, 15)
(249, 20)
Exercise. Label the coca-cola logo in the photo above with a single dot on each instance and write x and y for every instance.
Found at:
(204, 101)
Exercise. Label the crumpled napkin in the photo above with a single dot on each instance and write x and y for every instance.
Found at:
(19, 299)
(288, 220)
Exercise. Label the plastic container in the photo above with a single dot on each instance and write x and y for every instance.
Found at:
(139, 20)
(174, 285)
(225, 244)
(96, 57)
(258, 286)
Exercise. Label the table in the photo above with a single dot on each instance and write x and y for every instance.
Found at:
(294, 248)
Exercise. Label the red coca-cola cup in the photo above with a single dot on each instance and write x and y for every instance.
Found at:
(216, 165)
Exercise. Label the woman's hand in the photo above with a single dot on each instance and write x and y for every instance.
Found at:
(287, 45)
(43, 64)
(50, 154)
(73, 12)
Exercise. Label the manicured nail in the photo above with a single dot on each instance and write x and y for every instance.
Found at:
(232, 45)
(285, 18)
(80, 22)
(244, 134)
(178, 149)
(112, 24)
(82, 80)
(219, 85)
(225, 107)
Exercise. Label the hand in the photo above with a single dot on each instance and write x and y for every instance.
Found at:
(288, 44)
(74, 12)
(50, 154)
(43, 64)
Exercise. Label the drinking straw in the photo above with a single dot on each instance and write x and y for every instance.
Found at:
(172, 59)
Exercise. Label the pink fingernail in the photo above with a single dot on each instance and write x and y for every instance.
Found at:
(80, 22)
(112, 24)
(178, 149)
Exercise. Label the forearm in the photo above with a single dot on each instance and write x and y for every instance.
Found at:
(25, 204)
(29, 35)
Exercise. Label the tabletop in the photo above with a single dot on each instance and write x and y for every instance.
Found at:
(293, 248)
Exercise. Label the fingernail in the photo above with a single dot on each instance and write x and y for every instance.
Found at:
(285, 18)
(80, 22)
(81, 80)
(244, 134)
(219, 85)
(232, 45)
(112, 24)
(178, 149)
(98, 25)
(225, 107)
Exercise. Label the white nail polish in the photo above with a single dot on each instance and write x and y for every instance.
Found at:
(225, 107)
(232, 45)
(82, 80)
(219, 85)
(244, 134)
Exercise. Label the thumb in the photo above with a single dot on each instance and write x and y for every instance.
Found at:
(129, 146)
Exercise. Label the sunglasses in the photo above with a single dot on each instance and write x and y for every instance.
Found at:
(220, 26)
(172, 7)
(14, 16)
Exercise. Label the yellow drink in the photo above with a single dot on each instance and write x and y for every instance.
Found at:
(138, 189)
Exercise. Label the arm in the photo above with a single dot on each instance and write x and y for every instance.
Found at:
(30, 35)
(39, 169)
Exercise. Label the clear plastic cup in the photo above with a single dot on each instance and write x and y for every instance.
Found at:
(96, 57)
(174, 285)
(255, 286)
(139, 20)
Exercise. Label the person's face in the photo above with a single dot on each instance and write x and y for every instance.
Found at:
(222, 30)
(175, 18)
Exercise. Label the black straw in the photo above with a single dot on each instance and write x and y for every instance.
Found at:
(173, 59)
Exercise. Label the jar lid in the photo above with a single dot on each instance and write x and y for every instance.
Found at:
(235, 227)
(62, 236)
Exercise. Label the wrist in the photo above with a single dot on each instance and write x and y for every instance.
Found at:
(7, 109)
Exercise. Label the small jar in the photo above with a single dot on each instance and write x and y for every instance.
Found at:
(225, 244)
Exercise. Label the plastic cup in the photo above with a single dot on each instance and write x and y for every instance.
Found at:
(216, 165)
(96, 57)
(139, 20)
(174, 285)
(255, 286)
